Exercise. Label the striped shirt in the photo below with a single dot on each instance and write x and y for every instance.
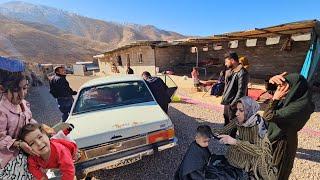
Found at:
(251, 153)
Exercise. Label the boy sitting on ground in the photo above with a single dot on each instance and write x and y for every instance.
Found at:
(197, 157)
(53, 153)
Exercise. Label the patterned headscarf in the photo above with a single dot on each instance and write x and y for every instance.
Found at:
(251, 116)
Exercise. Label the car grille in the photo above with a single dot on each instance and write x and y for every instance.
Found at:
(116, 147)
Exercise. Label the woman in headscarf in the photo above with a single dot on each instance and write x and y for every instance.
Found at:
(287, 113)
(249, 155)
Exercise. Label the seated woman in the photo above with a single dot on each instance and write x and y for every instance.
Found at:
(249, 155)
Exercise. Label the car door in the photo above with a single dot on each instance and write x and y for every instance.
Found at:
(172, 87)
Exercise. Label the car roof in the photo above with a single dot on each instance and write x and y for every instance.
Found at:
(111, 79)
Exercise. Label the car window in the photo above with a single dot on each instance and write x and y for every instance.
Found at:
(112, 95)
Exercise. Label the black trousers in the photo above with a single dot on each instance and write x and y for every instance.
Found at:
(229, 115)
(65, 105)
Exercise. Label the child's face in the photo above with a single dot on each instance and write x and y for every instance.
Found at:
(19, 94)
(38, 141)
(203, 141)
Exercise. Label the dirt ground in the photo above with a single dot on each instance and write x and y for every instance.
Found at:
(307, 162)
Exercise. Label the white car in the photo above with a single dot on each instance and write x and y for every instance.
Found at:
(117, 122)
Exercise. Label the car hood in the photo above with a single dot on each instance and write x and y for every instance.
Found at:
(97, 127)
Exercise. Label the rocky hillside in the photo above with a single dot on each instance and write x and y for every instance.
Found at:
(44, 34)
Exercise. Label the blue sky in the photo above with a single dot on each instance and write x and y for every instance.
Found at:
(193, 17)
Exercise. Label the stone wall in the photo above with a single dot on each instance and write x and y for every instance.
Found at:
(264, 59)
(168, 57)
(132, 55)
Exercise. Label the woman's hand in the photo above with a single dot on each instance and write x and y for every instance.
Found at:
(278, 79)
(27, 149)
(226, 139)
(281, 92)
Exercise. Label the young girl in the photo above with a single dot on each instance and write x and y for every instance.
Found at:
(250, 153)
(195, 77)
(53, 153)
(14, 114)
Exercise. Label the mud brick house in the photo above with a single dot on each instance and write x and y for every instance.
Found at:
(141, 56)
(289, 47)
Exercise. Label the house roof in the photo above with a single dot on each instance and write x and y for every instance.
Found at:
(282, 29)
(134, 44)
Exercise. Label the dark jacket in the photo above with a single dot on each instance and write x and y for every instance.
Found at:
(236, 85)
(193, 164)
(159, 90)
(130, 71)
(59, 87)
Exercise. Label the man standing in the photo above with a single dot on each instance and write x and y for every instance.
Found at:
(159, 90)
(60, 89)
(236, 86)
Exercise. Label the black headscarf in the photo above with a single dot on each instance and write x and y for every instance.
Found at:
(299, 89)
(294, 111)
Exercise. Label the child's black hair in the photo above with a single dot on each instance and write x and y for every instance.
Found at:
(204, 130)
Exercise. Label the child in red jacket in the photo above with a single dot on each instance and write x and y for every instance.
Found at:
(53, 153)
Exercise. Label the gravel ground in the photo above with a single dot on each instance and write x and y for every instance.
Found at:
(186, 117)
(44, 107)
(164, 164)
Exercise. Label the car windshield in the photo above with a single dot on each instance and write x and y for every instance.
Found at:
(112, 95)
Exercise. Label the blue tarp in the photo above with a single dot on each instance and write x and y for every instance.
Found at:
(12, 65)
(314, 65)
(307, 63)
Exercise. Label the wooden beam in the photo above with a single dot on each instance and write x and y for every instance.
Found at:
(268, 31)
(278, 31)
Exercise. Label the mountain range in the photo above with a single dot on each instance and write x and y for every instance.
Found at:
(43, 34)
